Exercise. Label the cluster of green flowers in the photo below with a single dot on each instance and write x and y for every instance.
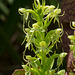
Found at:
(43, 41)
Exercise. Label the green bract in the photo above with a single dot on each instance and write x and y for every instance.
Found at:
(28, 57)
(35, 26)
(59, 30)
(57, 11)
(61, 72)
(40, 41)
(22, 10)
(71, 37)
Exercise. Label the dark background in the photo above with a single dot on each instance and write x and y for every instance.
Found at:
(11, 34)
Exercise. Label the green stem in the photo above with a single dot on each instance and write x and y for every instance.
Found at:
(43, 61)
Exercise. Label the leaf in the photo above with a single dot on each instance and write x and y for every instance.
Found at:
(61, 72)
(59, 61)
(25, 67)
(28, 45)
(34, 65)
(34, 14)
(19, 72)
(27, 73)
(72, 47)
(49, 63)
(48, 36)
(48, 9)
(36, 41)
(26, 14)
(35, 71)
(62, 55)
(38, 63)
(47, 22)
(60, 58)
(35, 62)
(52, 72)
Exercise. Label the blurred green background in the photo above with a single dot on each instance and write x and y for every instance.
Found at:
(11, 34)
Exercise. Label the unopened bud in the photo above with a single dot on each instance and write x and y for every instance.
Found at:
(57, 11)
(35, 26)
(22, 10)
(63, 54)
(28, 57)
(58, 30)
(27, 30)
(71, 37)
(42, 43)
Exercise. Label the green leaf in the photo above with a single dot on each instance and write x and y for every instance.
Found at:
(59, 61)
(49, 63)
(22, 11)
(52, 72)
(34, 65)
(38, 2)
(43, 2)
(62, 55)
(34, 14)
(60, 58)
(28, 45)
(25, 67)
(48, 9)
(47, 23)
(38, 63)
(36, 41)
(72, 47)
(61, 72)
(26, 14)
(56, 74)
(35, 71)
(49, 35)
(71, 37)
(27, 73)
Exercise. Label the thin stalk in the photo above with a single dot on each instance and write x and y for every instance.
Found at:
(43, 60)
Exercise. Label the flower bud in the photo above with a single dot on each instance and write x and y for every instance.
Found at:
(61, 72)
(62, 55)
(58, 30)
(57, 11)
(42, 43)
(22, 10)
(28, 57)
(71, 37)
(49, 9)
(27, 30)
(72, 47)
(35, 26)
